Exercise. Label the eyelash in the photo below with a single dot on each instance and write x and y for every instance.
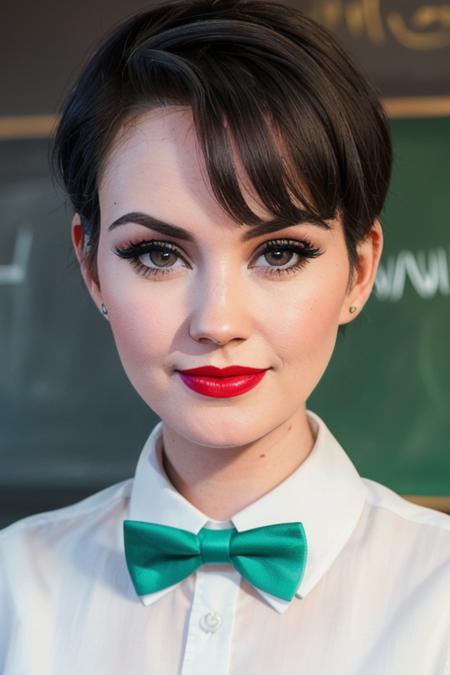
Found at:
(134, 250)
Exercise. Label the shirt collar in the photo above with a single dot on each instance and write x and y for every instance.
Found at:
(325, 493)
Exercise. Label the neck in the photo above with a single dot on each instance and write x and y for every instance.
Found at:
(221, 482)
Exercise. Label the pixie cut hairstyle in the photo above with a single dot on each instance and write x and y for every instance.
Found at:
(308, 127)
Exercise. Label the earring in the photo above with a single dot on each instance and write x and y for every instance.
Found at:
(352, 309)
(103, 310)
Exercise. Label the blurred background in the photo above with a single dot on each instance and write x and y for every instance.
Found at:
(70, 423)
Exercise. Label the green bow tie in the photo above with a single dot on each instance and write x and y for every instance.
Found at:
(271, 558)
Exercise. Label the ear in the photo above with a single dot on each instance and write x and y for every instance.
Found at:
(80, 245)
(369, 254)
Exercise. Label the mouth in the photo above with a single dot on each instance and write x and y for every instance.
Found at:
(223, 385)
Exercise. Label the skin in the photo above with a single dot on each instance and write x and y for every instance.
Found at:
(219, 306)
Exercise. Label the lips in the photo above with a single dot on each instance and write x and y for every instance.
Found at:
(222, 382)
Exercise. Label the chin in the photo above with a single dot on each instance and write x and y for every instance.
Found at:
(221, 427)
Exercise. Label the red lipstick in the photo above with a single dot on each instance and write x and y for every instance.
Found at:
(222, 382)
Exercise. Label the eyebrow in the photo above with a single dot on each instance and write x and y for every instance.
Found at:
(180, 233)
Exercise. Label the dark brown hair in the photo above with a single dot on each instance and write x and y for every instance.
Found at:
(308, 126)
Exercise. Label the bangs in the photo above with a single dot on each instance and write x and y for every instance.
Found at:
(247, 96)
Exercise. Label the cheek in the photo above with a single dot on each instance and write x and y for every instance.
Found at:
(139, 329)
(142, 324)
(144, 333)
(306, 328)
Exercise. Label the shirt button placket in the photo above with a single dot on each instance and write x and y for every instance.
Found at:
(210, 631)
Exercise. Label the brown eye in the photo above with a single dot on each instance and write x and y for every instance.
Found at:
(159, 258)
(279, 257)
(152, 258)
(287, 256)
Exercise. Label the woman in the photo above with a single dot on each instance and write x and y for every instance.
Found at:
(227, 165)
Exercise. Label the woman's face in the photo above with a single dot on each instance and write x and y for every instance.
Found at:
(216, 300)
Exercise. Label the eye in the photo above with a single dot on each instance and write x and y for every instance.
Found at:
(279, 253)
(151, 257)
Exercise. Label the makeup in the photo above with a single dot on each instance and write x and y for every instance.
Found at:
(221, 383)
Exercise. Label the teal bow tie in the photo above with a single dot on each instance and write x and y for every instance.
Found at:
(271, 558)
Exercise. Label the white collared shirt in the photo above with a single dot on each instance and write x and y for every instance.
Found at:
(374, 598)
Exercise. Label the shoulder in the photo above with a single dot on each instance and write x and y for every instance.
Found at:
(382, 498)
(50, 562)
(411, 535)
(57, 530)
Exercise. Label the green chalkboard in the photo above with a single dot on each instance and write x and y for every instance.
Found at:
(386, 394)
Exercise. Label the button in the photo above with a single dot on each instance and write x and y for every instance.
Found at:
(210, 622)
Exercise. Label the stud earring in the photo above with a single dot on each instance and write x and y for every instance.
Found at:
(352, 309)
(103, 310)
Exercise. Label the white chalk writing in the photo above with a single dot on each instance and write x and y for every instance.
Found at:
(427, 271)
(15, 273)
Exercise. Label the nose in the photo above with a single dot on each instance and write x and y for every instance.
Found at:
(221, 307)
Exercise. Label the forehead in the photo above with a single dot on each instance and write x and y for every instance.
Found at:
(155, 166)
(163, 138)
(157, 156)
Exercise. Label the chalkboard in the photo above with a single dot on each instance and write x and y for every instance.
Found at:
(387, 392)
(69, 419)
(67, 413)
